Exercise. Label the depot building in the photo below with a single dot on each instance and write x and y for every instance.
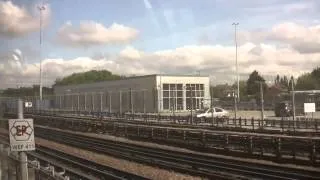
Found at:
(149, 93)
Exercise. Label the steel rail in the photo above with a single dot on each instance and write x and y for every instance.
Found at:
(77, 167)
(86, 167)
(197, 164)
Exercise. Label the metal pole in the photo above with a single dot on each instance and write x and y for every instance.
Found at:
(293, 103)
(78, 103)
(40, 8)
(60, 105)
(110, 104)
(237, 72)
(22, 155)
(85, 101)
(101, 103)
(235, 105)
(262, 101)
(72, 104)
(120, 102)
(92, 100)
(131, 101)
(191, 104)
(144, 101)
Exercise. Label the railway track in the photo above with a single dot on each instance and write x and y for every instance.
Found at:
(79, 168)
(178, 125)
(195, 164)
(74, 167)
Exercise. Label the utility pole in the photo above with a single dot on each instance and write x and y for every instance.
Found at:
(261, 99)
(293, 103)
(237, 70)
(23, 159)
(235, 105)
(41, 8)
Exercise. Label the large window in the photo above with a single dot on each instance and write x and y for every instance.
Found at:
(172, 96)
(194, 96)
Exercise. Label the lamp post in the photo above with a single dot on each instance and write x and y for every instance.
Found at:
(237, 73)
(41, 8)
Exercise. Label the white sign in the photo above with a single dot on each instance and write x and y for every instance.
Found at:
(309, 107)
(21, 134)
(28, 104)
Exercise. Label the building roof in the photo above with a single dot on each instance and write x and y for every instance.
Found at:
(135, 77)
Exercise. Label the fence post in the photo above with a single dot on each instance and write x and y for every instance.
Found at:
(23, 160)
(78, 103)
(85, 101)
(101, 103)
(92, 101)
(252, 123)
(110, 102)
(120, 102)
(144, 101)
(278, 148)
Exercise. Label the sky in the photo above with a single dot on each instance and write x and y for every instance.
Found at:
(139, 37)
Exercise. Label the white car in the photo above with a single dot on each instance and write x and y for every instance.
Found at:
(215, 111)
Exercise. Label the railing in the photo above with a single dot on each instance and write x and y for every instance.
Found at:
(301, 123)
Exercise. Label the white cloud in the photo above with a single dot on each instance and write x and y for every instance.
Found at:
(92, 33)
(305, 39)
(218, 61)
(17, 21)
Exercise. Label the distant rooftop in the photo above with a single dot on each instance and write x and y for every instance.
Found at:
(141, 76)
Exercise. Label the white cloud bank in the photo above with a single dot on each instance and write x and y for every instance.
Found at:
(218, 61)
(17, 21)
(92, 33)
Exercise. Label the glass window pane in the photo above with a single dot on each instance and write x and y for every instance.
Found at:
(172, 102)
(188, 103)
(166, 103)
(173, 94)
(188, 93)
(172, 86)
(165, 87)
(179, 103)
(165, 93)
(201, 87)
(180, 94)
(197, 86)
(201, 94)
(179, 86)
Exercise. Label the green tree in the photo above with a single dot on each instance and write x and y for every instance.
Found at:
(307, 82)
(316, 75)
(87, 77)
(26, 91)
(220, 90)
(242, 89)
(253, 86)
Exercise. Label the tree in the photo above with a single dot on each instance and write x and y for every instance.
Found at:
(26, 91)
(316, 75)
(253, 86)
(242, 89)
(220, 90)
(307, 82)
(87, 77)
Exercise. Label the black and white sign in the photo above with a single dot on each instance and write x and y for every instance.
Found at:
(21, 134)
(309, 107)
